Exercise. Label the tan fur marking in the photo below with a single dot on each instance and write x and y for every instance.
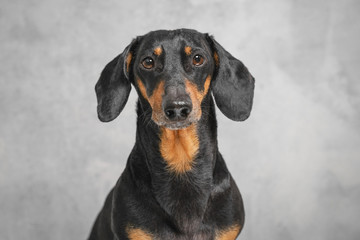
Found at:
(197, 96)
(155, 100)
(206, 85)
(216, 58)
(158, 51)
(179, 148)
(188, 50)
(228, 234)
(142, 89)
(137, 234)
(128, 61)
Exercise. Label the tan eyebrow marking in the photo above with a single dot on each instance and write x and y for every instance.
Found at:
(158, 51)
(188, 50)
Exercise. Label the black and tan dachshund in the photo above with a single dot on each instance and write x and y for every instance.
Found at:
(176, 184)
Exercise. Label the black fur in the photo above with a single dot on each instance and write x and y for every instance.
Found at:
(113, 87)
(233, 87)
(202, 201)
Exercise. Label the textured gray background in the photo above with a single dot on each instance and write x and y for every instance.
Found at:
(296, 159)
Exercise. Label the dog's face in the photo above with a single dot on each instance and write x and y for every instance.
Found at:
(173, 72)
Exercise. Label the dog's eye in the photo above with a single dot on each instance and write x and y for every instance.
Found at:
(148, 63)
(198, 60)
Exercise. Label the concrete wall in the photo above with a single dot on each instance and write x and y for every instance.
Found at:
(296, 160)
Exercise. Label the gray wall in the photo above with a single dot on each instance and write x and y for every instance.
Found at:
(296, 159)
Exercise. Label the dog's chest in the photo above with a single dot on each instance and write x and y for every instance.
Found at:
(205, 233)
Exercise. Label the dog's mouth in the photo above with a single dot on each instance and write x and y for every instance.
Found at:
(162, 120)
(175, 125)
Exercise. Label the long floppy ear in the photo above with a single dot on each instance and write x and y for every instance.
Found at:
(232, 85)
(113, 87)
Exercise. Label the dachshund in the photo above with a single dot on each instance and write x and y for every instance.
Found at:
(175, 184)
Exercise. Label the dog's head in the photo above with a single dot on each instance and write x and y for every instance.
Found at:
(173, 72)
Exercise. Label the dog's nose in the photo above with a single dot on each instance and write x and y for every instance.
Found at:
(177, 110)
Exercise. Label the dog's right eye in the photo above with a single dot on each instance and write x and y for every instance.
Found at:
(148, 63)
(198, 60)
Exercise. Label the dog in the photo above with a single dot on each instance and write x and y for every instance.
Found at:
(175, 184)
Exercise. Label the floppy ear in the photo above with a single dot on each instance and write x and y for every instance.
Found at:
(113, 87)
(232, 85)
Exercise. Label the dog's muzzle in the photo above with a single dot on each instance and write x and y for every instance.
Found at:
(177, 108)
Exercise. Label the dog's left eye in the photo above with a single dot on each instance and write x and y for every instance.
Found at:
(198, 60)
(148, 63)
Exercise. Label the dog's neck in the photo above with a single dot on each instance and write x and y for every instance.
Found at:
(179, 163)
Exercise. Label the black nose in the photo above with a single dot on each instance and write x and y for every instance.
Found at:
(178, 110)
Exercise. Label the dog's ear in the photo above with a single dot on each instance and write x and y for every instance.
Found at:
(232, 85)
(113, 87)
